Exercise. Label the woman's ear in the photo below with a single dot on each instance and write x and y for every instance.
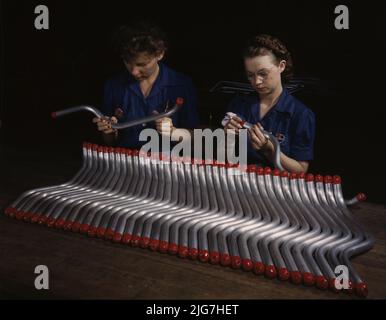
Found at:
(282, 65)
(160, 56)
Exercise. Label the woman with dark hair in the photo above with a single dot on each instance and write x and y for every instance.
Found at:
(268, 65)
(146, 87)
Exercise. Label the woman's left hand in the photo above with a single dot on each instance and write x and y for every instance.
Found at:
(258, 140)
(164, 126)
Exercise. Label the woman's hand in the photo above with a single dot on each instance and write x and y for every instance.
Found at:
(104, 124)
(234, 124)
(258, 140)
(164, 125)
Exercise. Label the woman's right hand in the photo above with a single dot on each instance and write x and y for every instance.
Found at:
(234, 124)
(104, 124)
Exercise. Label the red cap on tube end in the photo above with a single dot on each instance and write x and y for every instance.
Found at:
(301, 175)
(258, 268)
(293, 175)
(214, 257)
(267, 170)
(276, 172)
(361, 197)
(361, 289)
(336, 180)
(319, 178)
(327, 179)
(260, 170)
(309, 177)
(179, 101)
(251, 168)
(284, 174)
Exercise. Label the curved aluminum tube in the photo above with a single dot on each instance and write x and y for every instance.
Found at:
(276, 144)
(123, 125)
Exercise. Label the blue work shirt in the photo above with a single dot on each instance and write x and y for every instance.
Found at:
(290, 121)
(124, 100)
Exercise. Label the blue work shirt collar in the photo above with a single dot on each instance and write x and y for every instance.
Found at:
(164, 79)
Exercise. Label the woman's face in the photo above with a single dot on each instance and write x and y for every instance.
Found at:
(143, 66)
(263, 73)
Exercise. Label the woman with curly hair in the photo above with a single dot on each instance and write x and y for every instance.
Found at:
(146, 87)
(268, 65)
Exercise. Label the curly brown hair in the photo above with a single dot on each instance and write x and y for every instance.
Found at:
(140, 37)
(263, 44)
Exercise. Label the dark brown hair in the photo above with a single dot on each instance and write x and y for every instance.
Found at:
(264, 44)
(142, 37)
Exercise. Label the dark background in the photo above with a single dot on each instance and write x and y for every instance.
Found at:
(48, 70)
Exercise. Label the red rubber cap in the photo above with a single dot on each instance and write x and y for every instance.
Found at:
(101, 232)
(270, 272)
(179, 101)
(154, 244)
(308, 279)
(361, 197)
(43, 219)
(327, 179)
(259, 268)
(126, 238)
(27, 216)
(260, 170)
(35, 218)
(236, 262)
(183, 252)
(75, 226)
(92, 231)
(309, 177)
(225, 259)
(276, 172)
(296, 277)
(247, 264)
(59, 224)
(284, 174)
(361, 289)
(135, 153)
(19, 215)
(144, 242)
(53, 115)
(163, 246)
(109, 234)
(293, 175)
(214, 257)
(267, 170)
(203, 255)
(50, 222)
(319, 178)
(173, 248)
(336, 180)
(67, 225)
(117, 237)
(251, 168)
(284, 274)
(301, 175)
(84, 228)
(193, 253)
(135, 241)
(322, 282)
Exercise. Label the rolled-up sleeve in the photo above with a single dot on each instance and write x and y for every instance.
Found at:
(303, 136)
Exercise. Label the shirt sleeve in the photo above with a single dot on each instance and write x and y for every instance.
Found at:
(302, 142)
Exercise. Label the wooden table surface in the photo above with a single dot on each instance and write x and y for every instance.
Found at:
(85, 268)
